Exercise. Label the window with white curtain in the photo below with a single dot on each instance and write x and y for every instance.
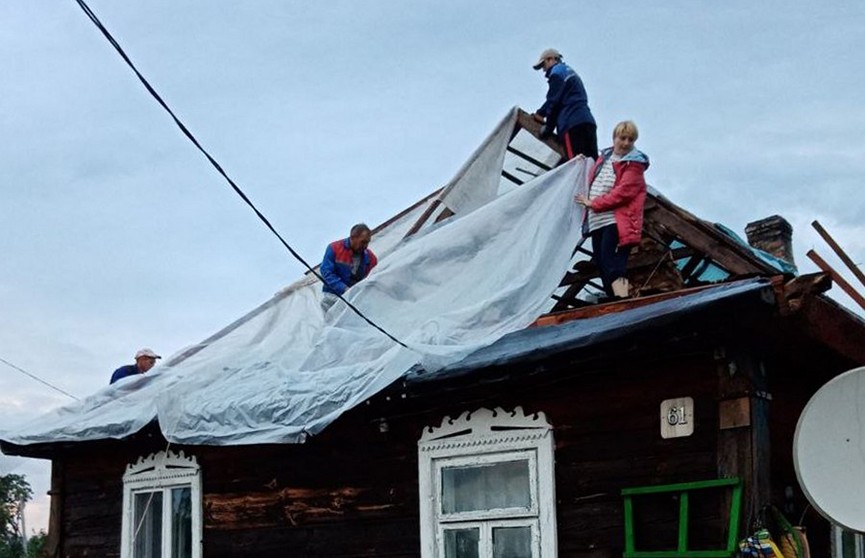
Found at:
(162, 507)
(487, 487)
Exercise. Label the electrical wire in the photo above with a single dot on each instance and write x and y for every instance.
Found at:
(93, 18)
(38, 379)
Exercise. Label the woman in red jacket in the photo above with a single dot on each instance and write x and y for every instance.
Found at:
(614, 207)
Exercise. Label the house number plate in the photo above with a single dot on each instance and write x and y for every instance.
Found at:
(677, 417)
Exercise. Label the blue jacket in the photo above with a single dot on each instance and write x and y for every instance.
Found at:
(123, 372)
(567, 103)
(336, 267)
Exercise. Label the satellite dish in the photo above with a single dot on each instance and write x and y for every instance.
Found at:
(829, 450)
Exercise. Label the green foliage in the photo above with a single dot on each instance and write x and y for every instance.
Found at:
(36, 543)
(14, 492)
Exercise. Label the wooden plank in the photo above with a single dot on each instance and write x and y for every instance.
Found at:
(594, 311)
(845, 286)
(839, 251)
(734, 413)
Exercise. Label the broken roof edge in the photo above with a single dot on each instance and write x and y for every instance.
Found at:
(536, 343)
(760, 260)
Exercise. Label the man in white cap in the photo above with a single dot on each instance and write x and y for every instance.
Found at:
(566, 107)
(144, 361)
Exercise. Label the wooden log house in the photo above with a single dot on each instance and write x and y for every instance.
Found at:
(659, 426)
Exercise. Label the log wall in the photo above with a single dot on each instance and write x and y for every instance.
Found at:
(352, 490)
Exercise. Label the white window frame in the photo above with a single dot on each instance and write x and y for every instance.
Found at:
(838, 542)
(162, 472)
(480, 437)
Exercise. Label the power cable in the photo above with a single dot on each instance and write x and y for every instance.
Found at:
(38, 379)
(93, 18)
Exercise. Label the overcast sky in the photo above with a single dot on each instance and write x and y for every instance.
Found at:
(115, 233)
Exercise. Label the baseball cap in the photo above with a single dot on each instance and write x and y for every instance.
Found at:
(549, 53)
(146, 353)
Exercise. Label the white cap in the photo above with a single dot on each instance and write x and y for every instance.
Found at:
(146, 353)
(549, 53)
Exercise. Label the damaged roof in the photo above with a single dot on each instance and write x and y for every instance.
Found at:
(459, 282)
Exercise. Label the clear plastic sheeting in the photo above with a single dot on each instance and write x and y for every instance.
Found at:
(477, 182)
(287, 370)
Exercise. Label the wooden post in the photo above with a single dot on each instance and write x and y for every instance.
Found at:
(845, 286)
(839, 251)
(743, 442)
(53, 546)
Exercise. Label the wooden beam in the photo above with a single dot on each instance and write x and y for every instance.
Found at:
(691, 267)
(803, 286)
(826, 321)
(845, 286)
(446, 212)
(424, 217)
(53, 542)
(839, 251)
(745, 452)
(704, 238)
(560, 317)
(527, 123)
(639, 260)
(404, 212)
(512, 178)
(529, 158)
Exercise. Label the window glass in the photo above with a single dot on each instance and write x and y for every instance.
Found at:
(486, 486)
(512, 542)
(147, 525)
(461, 543)
(181, 522)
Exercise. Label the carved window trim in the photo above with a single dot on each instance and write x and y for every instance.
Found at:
(485, 436)
(162, 472)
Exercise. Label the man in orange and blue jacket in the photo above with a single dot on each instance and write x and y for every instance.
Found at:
(346, 262)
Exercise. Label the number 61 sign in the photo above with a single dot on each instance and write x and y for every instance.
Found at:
(677, 417)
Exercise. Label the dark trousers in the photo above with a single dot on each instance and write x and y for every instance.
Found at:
(581, 139)
(611, 260)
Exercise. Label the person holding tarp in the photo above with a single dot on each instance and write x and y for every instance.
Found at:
(614, 207)
(566, 108)
(346, 262)
(145, 359)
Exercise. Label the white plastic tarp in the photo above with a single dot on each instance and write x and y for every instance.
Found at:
(477, 182)
(291, 370)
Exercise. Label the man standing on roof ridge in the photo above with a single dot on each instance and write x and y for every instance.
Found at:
(145, 359)
(346, 262)
(566, 107)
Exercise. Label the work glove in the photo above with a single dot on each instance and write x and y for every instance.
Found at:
(546, 131)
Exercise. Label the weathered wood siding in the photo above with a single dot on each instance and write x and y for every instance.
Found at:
(352, 491)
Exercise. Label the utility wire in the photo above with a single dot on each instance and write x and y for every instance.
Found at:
(38, 379)
(92, 16)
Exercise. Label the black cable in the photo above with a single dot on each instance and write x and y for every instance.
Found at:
(38, 379)
(237, 190)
